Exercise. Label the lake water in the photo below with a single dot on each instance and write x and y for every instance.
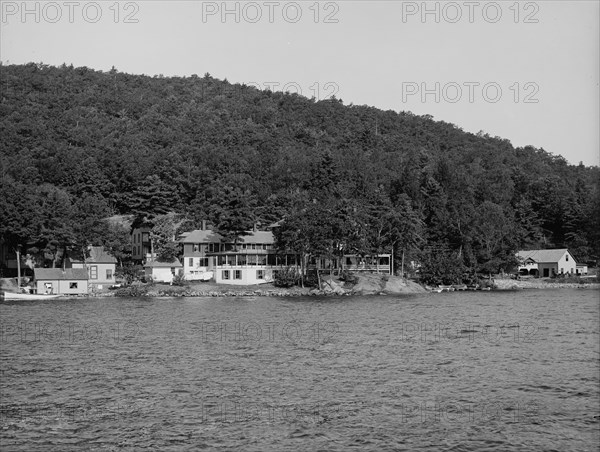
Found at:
(502, 371)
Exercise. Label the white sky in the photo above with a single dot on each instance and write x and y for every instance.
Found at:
(366, 52)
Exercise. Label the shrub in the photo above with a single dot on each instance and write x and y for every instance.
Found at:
(179, 279)
(129, 273)
(286, 277)
(349, 277)
(311, 279)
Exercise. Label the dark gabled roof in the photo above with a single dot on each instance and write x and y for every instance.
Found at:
(543, 255)
(208, 236)
(98, 255)
(159, 264)
(59, 273)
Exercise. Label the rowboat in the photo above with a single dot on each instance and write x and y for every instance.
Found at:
(26, 296)
(446, 288)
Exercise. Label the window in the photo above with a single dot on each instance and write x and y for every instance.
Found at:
(173, 271)
(225, 274)
(93, 272)
(242, 259)
(567, 258)
(237, 274)
(196, 247)
(262, 259)
(348, 261)
(252, 259)
(203, 262)
(254, 246)
(72, 285)
(109, 274)
(264, 247)
(191, 263)
(260, 274)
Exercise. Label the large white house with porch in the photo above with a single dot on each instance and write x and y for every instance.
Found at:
(207, 256)
(546, 263)
(255, 260)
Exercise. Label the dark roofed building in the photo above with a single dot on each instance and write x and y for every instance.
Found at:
(69, 281)
(100, 266)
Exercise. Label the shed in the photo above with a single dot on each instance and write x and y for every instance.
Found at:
(163, 271)
(69, 281)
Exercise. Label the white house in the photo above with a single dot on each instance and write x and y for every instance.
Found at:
(546, 263)
(162, 271)
(206, 256)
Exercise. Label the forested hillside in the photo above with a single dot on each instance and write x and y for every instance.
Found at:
(78, 145)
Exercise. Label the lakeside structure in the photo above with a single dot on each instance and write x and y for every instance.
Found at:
(100, 265)
(140, 243)
(255, 260)
(68, 281)
(547, 263)
(162, 271)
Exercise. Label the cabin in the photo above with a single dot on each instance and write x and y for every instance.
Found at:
(162, 271)
(546, 263)
(68, 281)
(100, 266)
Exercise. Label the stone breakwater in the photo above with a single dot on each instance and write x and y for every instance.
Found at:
(511, 284)
(230, 293)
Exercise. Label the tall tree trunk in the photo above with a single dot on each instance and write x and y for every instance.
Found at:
(18, 269)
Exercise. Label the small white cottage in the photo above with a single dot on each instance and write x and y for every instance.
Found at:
(163, 271)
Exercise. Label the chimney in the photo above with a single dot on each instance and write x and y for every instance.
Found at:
(203, 225)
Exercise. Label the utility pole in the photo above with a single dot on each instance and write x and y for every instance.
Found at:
(402, 263)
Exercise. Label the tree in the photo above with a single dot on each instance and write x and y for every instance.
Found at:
(231, 211)
(163, 236)
(117, 242)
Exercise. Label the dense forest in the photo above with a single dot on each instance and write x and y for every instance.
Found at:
(80, 145)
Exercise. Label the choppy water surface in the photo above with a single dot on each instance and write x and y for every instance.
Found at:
(460, 371)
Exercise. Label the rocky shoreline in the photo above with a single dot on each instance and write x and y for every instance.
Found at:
(512, 284)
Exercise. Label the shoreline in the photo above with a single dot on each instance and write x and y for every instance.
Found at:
(180, 292)
(374, 286)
